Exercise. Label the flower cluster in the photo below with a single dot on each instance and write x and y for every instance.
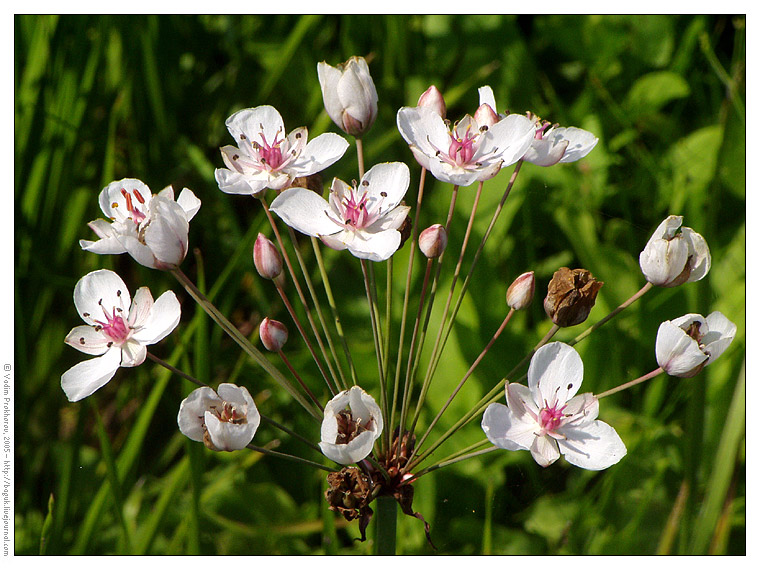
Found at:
(370, 219)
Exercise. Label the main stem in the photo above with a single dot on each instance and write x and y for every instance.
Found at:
(385, 526)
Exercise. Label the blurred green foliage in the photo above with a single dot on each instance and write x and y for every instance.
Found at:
(100, 98)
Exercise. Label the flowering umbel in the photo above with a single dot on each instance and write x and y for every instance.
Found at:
(687, 344)
(118, 329)
(672, 257)
(349, 95)
(153, 229)
(224, 420)
(548, 419)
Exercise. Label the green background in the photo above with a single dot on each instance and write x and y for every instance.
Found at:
(99, 98)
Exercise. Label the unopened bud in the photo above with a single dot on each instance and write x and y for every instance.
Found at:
(572, 294)
(433, 241)
(520, 293)
(486, 116)
(273, 334)
(266, 258)
(433, 99)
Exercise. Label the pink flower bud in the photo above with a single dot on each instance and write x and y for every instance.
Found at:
(486, 116)
(433, 241)
(273, 334)
(266, 258)
(520, 293)
(433, 99)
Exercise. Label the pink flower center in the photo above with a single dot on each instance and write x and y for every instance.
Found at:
(540, 131)
(114, 327)
(550, 418)
(270, 155)
(355, 210)
(134, 210)
(461, 150)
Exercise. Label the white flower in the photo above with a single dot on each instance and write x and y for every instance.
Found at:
(352, 423)
(547, 418)
(671, 258)
(224, 420)
(266, 158)
(687, 344)
(553, 144)
(363, 219)
(151, 228)
(349, 95)
(118, 329)
(473, 149)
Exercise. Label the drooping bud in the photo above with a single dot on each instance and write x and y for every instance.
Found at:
(349, 95)
(273, 334)
(433, 241)
(266, 258)
(433, 99)
(571, 296)
(520, 293)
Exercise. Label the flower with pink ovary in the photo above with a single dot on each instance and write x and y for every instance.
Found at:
(118, 329)
(363, 219)
(152, 228)
(548, 419)
(475, 148)
(266, 158)
(687, 344)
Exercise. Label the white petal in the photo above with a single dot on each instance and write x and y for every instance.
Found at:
(597, 446)
(555, 374)
(305, 211)
(505, 430)
(140, 252)
(390, 179)
(664, 260)
(86, 339)
(189, 202)
(375, 247)
(423, 128)
(133, 353)
(190, 418)
(164, 318)
(320, 152)
(699, 252)
(485, 95)
(545, 152)
(83, 379)
(329, 77)
(581, 142)
(167, 233)
(544, 450)
(142, 304)
(677, 353)
(452, 174)
(721, 334)
(250, 123)
(355, 450)
(227, 436)
(99, 290)
(113, 203)
(511, 137)
(521, 404)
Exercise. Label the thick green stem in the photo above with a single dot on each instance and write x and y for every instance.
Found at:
(385, 526)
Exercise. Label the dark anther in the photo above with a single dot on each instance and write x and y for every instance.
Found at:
(81, 340)
(384, 194)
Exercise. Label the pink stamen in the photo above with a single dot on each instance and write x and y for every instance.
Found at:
(270, 155)
(550, 418)
(136, 215)
(114, 327)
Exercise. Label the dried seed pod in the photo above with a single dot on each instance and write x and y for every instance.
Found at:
(572, 294)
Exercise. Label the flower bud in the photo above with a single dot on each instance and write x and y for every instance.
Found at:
(520, 293)
(273, 334)
(266, 258)
(671, 258)
(349, 95)
(571, 295)
(433, 99)
(433, 241)
(485, 116)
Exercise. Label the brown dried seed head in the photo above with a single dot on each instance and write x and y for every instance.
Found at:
(571, 296)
